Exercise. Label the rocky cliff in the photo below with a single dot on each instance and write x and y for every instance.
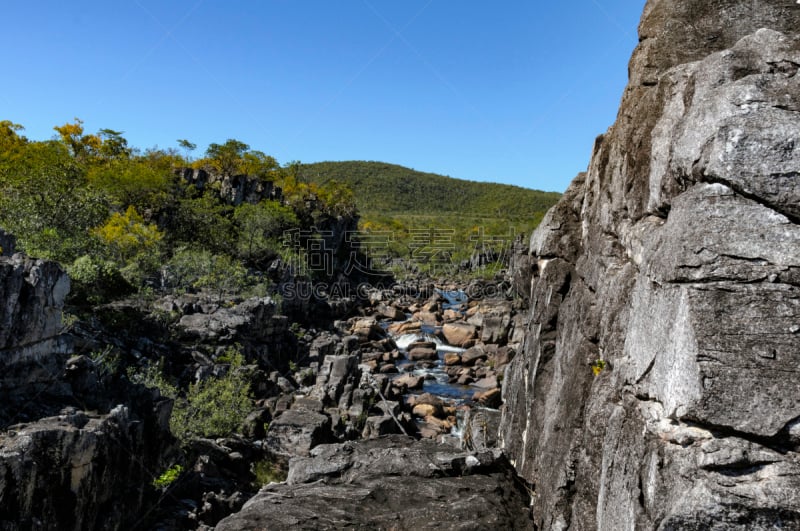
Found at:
(658, 388)
(77, 451)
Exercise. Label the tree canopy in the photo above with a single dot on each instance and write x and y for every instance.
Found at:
(108, 210)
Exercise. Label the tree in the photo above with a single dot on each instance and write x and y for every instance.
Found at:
(81, 146)
(114, 145)
(127, 235)
(187, 146)
(45, 202)
(227, 158)
(205, 221)
(225, 275)
(259, 229)
(138, 182)
(12, 145)
(259, 164)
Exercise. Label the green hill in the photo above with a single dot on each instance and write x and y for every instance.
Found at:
(389, 188)
(434, 222)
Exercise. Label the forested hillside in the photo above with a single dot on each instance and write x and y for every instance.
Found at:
(382, 187)
(431, 222)
(121, 219)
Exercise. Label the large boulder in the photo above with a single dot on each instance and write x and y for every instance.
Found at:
(61, 466)
(458, 334)
(254, 319)
(338, 376)
(656, 387)
(296, 431)
(390, 483)
(75, 470)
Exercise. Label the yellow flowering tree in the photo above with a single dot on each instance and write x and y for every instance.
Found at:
(128, 235)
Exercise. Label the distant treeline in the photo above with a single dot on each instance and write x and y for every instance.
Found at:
(414, 221)
(381, 187)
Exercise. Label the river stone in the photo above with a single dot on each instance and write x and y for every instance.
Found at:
(674, 260)
(488, 382)
(472, 355)
(491, 398)
(452, 358)
(407, 327)
(458, 334)
(427, 410)
(465, 378)
(421, 344)
(367, 329)
(409, 381)
(450, 315)
(421, 354)
(427, 318)
(390, 312)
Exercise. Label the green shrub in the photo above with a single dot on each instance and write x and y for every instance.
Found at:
(95, 281)
(267, 472)
(152, 376)
(191, 268)
(214, 407)
(168, 477)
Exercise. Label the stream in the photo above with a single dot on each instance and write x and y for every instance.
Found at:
(437, 380)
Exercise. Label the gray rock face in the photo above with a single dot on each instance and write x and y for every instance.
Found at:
(253, 319)
(236, 189)
(32, 351)
(297, 431)
(61, 467)
(78, 471)
(672, 269)
(392, 482)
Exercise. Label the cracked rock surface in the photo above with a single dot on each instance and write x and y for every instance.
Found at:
(392, 482)
(675, 261)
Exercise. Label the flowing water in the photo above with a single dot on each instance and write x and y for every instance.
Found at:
(436, 379)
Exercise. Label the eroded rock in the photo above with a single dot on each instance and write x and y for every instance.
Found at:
(391, 482)
(657, 384)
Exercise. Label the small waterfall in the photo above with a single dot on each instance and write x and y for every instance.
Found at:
(405, 340)
(437, 381)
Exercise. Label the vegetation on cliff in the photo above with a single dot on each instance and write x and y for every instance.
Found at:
(113, 215)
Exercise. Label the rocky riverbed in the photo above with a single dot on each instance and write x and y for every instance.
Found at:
(415, 364)
(646, 376)
(403, 396)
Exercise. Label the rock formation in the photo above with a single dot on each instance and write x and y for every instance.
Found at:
(392, 482)
(32, 351)
(74, 453)
(236, 189)
(658, 387)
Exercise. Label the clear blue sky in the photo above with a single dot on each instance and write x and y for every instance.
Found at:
(512, 91)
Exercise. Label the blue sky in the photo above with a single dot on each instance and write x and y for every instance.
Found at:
(511, 91)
